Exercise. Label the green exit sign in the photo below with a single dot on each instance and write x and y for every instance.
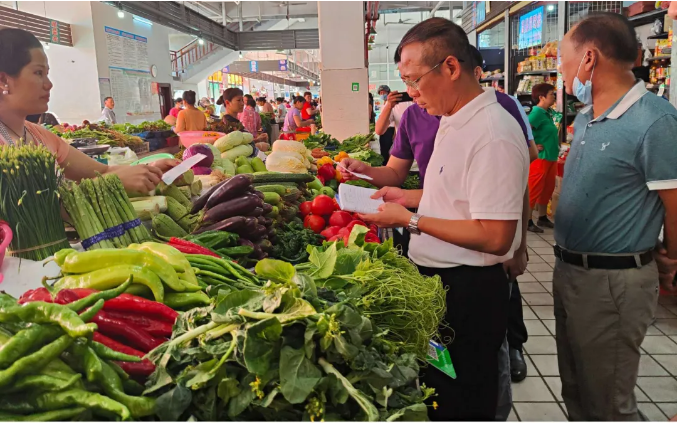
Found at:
(356, 86)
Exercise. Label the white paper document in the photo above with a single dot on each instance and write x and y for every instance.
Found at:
(359, 175)
(357, 199)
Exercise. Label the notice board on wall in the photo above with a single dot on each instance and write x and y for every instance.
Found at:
(130, 78)
(531, 29)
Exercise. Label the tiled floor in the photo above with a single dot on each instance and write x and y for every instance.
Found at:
(538, 397)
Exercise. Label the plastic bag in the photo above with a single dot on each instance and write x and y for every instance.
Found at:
(121, 156)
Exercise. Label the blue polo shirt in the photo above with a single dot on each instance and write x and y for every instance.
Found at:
(609, 202)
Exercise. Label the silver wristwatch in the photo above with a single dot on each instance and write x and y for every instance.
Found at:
(413, 224)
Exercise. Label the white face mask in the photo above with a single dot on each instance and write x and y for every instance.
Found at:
(584, 91)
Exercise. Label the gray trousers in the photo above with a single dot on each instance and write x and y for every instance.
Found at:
(601, 319)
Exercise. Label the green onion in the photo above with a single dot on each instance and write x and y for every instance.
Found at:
(29, 201)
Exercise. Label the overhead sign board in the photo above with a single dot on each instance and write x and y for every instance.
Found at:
(253, 66)
(283, 65)
(531, 29)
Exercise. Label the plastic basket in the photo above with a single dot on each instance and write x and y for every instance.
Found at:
(188, 138)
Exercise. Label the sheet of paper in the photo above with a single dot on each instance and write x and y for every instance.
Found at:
(171, 175)
(359, 175)
(358, 200)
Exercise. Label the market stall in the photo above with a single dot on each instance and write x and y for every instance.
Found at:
(238, 289)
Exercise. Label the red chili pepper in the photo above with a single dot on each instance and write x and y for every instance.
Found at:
(142, 368)
(137, 337)
(154, 327)
(188, 247)
(132, 303)
(66, 296)
(39, 294)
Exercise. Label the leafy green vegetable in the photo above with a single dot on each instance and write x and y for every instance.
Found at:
(291, 242)
(260, 346)
(298, 375)
(275, 270)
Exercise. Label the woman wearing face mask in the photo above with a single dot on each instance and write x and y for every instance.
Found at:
(24, 91)
(385, 127)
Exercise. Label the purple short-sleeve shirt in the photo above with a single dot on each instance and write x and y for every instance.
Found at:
(415, 137)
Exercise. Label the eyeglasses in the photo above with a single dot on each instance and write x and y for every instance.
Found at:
(414, 84)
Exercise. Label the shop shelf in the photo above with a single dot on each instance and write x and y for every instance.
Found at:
(492, 78)
(660, 57)
(661, 36)
(539, 72)
(647, 18)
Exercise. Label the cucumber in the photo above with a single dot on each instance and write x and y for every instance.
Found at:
(258, 165)
(241, 161)
(244, 169)
(279, 189)
(271, 198)
(284, 184)
(274, 178)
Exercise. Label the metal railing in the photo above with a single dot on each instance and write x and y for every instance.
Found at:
(190, 54)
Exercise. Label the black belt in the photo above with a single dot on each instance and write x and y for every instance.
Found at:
(592, 261)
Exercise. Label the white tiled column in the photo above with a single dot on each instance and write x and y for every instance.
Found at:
(342, 54)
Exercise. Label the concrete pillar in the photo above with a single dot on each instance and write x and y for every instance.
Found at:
(344, 75)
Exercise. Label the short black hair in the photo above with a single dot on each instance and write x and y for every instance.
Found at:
(611, 33)
(307, 93)
(298, 98)
(540, 90)
(178, 100)
(251, 102)
(219, 101)
(279, 99)
(441, 38)
(189, 97)
(248, 96)
(15, 46)
(230, 93)
(107, 98)
(477, 58)
(261, 99)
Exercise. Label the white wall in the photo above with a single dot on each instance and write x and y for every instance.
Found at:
(73, 71)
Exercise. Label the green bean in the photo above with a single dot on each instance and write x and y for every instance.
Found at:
(103, 295)
(109, 354)
(48, 416)
(34, 362)
(25, 340)
(89, 314)
(42, 312)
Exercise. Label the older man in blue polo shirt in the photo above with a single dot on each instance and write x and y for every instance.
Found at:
(619, 188)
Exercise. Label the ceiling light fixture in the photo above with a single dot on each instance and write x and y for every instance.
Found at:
(551, 7)
(200, 41)
(121, 14)
(240, 55)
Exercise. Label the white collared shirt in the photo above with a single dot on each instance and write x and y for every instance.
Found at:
(108, 116)
(478, 170)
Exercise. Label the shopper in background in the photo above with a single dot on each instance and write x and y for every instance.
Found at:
(250, 118)
(281, 110)
(543, 171)
(293, 121)
(469, 211)
(619, 188)
(386, 134)
(24, 90)
(107, 114)
(265, 107)
(391, 114)
(178, 106)
(309, 111)
(190, 118)
(234, 101)
(372, 114)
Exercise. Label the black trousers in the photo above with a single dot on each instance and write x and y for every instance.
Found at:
(477, 309)
(517, 331)
(385, 142)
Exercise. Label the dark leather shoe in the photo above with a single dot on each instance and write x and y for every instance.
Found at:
(518, 367)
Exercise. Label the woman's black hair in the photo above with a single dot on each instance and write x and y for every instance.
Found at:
(189, 97)
(299, 99)
(15, 46)
(178, 100)
(251, 102)
(261, 100)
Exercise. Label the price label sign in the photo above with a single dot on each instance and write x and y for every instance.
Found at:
(356, 86)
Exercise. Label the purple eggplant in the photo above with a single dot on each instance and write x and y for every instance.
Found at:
(259, 194)
(257, 233)
(232, 188)
(230, 224)
(236, 207)
(267, 208)
(249, 226)
(246, 242)
(256, 212)
(251, 190)
(262, 220)
(265, 245)
(268, 222)
(201, 202)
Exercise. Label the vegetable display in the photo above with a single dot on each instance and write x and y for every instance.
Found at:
(29, 201)
(101, 132)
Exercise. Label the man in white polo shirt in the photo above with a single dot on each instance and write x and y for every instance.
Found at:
(468, 212)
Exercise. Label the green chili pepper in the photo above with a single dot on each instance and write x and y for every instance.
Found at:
(130, 386)
(106, 353)
(113, 277)
(139, 290)
(36, 383)
(41, 312)
(103, 295)
(34, 362)
(49, 416)
(25, 340)
(50, 401)
(60, 256)
(90, 261)
(89, 314)
(186, 299)
(112, 386)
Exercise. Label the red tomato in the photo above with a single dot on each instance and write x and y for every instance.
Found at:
(344, 233)
(371, 237)
(355, 222)
(305, 208)
(336, 206)
(330, 232)
(322, 205)
(315, 223)
(340, 219)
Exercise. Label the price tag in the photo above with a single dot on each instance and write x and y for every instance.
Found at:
(438, 357)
